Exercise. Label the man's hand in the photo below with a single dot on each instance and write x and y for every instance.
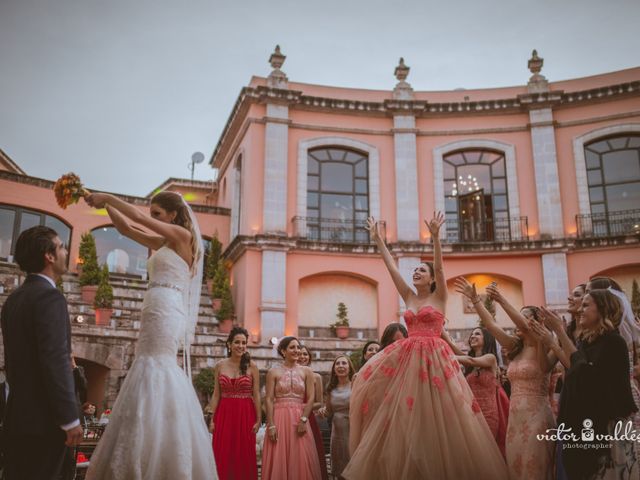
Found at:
(74, 436)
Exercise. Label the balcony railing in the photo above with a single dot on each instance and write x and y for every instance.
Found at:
(625, 222)
(329, 230)
(463, 230)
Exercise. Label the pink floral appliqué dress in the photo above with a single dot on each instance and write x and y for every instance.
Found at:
(413, 415)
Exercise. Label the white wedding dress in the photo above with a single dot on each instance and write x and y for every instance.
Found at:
(156, 430)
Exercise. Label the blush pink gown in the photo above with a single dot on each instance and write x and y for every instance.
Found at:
(292, 457)
(413, 415)
(529, 414)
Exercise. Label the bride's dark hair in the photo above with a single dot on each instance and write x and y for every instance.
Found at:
(245, 360)
(173, 202)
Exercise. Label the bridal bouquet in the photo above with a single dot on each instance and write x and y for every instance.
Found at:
(68, 189)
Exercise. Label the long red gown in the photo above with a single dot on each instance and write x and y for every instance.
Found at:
(234, 443)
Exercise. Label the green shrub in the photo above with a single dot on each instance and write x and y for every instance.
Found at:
(104, 295)
(90, 274)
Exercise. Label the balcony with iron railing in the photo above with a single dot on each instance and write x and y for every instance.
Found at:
(612, 224)
(330, 230)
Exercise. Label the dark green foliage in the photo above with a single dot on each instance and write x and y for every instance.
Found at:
(90, 274)
(204, 381)
(104, 295)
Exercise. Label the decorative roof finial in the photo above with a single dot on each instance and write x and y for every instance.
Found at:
(277, 58)
(402, 71)
(535, 63)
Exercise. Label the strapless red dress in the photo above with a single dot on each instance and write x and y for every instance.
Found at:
(234, 443)
(413, 415)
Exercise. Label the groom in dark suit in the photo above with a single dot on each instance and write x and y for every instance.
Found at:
(41, 417)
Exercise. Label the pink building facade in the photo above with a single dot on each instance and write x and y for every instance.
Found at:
(540, 184)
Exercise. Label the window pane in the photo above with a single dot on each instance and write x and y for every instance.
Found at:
(634, 142)
(312, 200)
(472, 157)
(361, 216)
(623, 197)
(450, 187)
(592, 159)
(320, 154)
(337, 177)
(473, 177)
(500, 202)
(28, 220)
(313, 182)
(499, 185)
(596, 194)
(362, 202)
(451, 204)
(362, 235)
(7, 218)
(449, 171)
(120, 253)
(337, 154)
(621, 166)
(497, 169)
(361, 186)
(312, 212)
(594, 177)
(353, 157)
(361, 169)
(618, 143)
(63, 231)
(599, 147)
(489, 157)
(337, 207)
(597, 208)
(455, 159)
(312, 166)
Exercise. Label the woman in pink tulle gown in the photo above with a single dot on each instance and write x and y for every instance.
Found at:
(413, 415)
(289, 447)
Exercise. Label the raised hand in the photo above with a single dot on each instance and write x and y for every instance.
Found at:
(434, 224)
(373, 227)
(551, 319)
(467, 289)
(494, 293)
(96, 200)
(540, 333)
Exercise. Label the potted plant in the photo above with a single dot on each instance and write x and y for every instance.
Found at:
(103, 302)
(217, 289)
(341, 326)
(226, 312)
(213, 259)
(90, 273)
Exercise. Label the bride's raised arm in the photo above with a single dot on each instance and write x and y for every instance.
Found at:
(403, 288)
(441, 282)
(172, 233)
(154, 242)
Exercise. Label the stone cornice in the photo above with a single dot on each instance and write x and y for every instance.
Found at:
(48, 184)
(295, 99)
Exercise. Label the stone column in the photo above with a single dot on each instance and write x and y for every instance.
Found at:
(545, 160)
(406, 163)
(273, 303)
(556, 279)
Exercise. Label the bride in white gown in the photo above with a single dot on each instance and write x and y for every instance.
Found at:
(157, 430)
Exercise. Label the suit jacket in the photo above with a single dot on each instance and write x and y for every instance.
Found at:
(37, 347)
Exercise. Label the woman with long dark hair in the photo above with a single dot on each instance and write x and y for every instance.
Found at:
(369, 350)
(304, 359)
(235, 407)
(392, 333)
(412, 412)
(529, 373)
(289, 448)
(337, 407)
(481, 370)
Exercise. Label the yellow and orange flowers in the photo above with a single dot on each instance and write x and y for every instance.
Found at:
(68, 189)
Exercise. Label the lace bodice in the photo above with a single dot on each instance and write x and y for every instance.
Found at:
(240, 387)
(428, 322)
(163, 309)
(483, 383)
(527, 379)
(290, 385)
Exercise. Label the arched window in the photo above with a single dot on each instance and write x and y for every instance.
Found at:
(15, 220)
(476, 197)
(337, 195)
(121, 254)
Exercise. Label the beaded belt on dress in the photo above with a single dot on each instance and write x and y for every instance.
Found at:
(237, 395)
(165, 285)
(284, 400)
